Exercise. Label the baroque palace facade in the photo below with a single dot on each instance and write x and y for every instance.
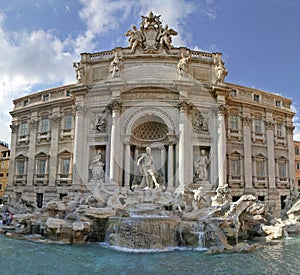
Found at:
(151, 94)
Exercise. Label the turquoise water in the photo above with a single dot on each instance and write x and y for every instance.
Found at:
(25, 257)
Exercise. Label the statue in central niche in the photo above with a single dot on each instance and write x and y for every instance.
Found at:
(146, 164)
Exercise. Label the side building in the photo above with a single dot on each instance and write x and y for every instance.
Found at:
(4, 167)
(297, 163)
(151, 94)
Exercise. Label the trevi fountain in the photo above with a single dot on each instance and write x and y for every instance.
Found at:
(193, 218)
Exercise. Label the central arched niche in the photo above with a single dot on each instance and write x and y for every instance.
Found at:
(150, 127)
(149, 130)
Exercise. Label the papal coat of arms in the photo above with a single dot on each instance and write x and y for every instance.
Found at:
(151, 37)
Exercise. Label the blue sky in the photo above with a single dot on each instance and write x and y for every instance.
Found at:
(39, 40)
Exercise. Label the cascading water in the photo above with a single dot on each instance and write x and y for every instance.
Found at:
(143, 232)
(199, 230)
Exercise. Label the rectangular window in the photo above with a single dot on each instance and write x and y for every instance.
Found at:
(257, 125)
(1, 175)
(260, 168)
(279, 130)
(282, 169)
(234, 123)
(65, 167)
(256, 98)
(45, 125)
(297, 150)
(1, 185)
(233, 93)
(41, 166)
(2, 164)
(25, 103)
(45, 97)
(24, 129)
(278, 103)
(235, 167)
(298, 165)
(20, 167)
(68, 122)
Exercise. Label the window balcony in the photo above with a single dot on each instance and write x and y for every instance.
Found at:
(64, 180)
(282, 182)
(40, 179)
(260, 182)
(20, 180)
(235, 181)
(66, 133)
(44, 136)
(23, 139)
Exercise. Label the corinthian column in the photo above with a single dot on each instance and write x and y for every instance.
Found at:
(184, 154)
(247, 151)
(221, 145)
(271, 154)
(115, 148)
(291, 154)
(127, 162)
(79, 141)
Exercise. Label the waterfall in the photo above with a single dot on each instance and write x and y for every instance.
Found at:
(199, 230)
(143, 232)
(201, 241)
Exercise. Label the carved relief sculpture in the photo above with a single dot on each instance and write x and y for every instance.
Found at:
(101, 122)
(200, 123)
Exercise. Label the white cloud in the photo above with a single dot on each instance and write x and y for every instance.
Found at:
(28, 59)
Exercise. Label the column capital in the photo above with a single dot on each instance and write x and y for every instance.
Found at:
(269, 124)
(80, 109)
(247, 120)
(34, 122)
(220, 109)
(184, 105)
(14, 127)
(290, 129)
(114, 105)
(172, 139)
(55, 119)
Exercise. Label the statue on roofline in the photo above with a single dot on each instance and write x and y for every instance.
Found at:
(79, 70)
(220, 69)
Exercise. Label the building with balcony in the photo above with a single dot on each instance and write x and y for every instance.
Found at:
(151, 94)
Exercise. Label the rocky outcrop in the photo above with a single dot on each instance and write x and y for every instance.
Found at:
(190, 217)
